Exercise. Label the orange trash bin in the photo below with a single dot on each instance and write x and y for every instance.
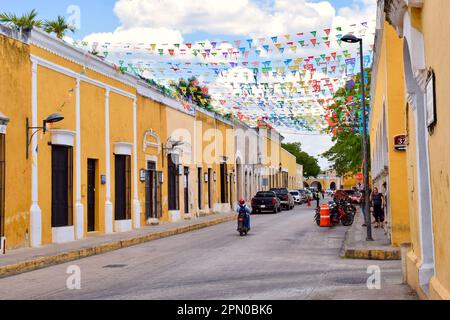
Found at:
(325, 216)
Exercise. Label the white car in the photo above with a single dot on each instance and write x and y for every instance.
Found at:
(296, 195)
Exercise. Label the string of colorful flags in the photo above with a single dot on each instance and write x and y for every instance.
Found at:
(285, 81)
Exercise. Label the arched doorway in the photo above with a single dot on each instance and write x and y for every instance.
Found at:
(305, 185)
(333, 186)
(316, 185)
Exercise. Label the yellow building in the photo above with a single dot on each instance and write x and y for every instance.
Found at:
(419, 61)
(106, 152)
(388, 161)
(120, 156)
(289, 170)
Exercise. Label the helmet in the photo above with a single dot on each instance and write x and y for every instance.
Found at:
(242, 202)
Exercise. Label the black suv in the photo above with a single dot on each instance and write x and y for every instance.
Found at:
(286, 198)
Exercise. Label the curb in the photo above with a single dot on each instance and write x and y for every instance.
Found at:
(371, 254)
(46, 261)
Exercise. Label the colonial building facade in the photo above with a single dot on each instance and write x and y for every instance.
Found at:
(87, 150)
(411, 91)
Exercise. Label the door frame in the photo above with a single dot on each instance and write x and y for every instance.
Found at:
(68, 221)
(95, 197)
(186, 174)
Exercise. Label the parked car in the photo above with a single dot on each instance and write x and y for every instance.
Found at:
(266, 201)
(297, 197)
(304, 196)
(287, 201)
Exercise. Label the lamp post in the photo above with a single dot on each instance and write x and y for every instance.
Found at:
(50, 119)
(350, 38)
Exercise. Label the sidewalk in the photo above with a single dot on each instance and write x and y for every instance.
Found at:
(28, 259)
(356, 247)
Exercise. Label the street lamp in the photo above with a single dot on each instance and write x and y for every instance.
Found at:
(350, 38)
(53, 118)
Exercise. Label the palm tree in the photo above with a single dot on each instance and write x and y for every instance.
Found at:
(25, 22)
(58, 26)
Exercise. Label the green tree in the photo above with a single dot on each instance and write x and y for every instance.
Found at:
(59, 27)
(310, 164)
(346, 154)
(24, 22)
(345, 123)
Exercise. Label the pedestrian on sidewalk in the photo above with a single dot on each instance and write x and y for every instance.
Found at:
(362, 203)
(317, 197)
(377, 202)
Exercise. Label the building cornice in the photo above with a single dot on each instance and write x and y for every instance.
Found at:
(395, 11)
(60, 48)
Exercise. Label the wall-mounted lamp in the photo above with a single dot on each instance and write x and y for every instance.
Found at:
(174, 144)
(50, 119)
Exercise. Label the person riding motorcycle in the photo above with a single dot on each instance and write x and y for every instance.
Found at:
(242, 208)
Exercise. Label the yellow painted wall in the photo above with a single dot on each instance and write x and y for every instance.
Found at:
(435, 24)
(206, 138)
(289, 162)
(151, 115)
(15, 103)
(180, 126)
(92, 113)
(389, 94)
(55, 95)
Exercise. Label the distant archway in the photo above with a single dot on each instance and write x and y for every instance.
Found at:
(333, 186)
(305, 185)
(316, 185)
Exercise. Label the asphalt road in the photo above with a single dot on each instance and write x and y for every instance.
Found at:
(285, 256)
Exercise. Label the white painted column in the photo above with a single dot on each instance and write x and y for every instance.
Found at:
(35, 210)
(108, 203)
(79, 209)
(136, 203)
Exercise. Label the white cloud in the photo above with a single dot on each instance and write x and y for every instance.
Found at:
(138, 35)
(232, 17)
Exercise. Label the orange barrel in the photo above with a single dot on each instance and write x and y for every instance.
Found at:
(325, 216)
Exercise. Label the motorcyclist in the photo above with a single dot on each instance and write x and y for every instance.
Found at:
(242, 208)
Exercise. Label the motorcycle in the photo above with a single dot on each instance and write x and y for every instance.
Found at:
(242, 228)
(342, 212)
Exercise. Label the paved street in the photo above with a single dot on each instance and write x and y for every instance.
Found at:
(286, 256)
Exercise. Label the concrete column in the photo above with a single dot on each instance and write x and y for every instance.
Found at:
(79, 209)
(136, 203)
(108, 203)
(35, 210)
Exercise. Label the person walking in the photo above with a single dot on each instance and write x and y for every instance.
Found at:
(317, 197)
(377, 202)
(362, 203)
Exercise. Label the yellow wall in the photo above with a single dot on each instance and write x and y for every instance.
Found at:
(151, 115)
(435, 24)
(389, 95)
(289, 162)
(15, 103)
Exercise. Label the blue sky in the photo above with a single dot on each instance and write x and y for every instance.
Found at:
(98, 16)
